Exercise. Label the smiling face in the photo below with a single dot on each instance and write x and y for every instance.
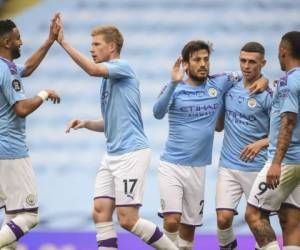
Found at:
(251, 64)
(100, 49)
(197, 67)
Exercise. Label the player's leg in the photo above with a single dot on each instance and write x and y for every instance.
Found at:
(104, 204)
(259, 223)
(261, 198)
(186, 236)
(19, 188)
(228, 194)
(289, 215)
(260, 202)
(171, 192)
(171, 225)
(130, 171)
(7, 218)
(105, 231)
(226, 237)
(193, 179)
(290, 223)
(146, 230)
(17, 227)
(247, 179)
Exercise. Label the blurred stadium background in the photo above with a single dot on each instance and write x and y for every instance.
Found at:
(154, 31)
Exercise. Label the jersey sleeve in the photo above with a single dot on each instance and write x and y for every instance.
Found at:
(118, 70)
(227, 79)
(164, 101)
(11, 89)
(291, 102)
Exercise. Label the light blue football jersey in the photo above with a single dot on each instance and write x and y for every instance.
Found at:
(286, 99)
(12, 127)
(246, 120)
(121, 109)
(192, 113)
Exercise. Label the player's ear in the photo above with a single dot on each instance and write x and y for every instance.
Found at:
(112, 46)
(185, 66)
(4, 41)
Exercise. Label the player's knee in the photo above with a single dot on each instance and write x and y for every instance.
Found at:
(126, 222)
(96, 214)
(252, 215)
(127, 217)
(224, 221)
(100, 214)
(171, 222)
(30, 219)
(26, 221)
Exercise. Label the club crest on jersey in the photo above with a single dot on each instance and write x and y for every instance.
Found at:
(251, 102)
(31, 200)
(212, 92)
(16, 85)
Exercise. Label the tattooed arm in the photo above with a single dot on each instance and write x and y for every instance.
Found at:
(287, 124)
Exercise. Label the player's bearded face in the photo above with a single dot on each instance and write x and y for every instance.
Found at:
(15, 43)
(100, 50)
(198, 66)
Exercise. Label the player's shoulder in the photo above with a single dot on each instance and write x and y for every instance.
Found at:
(120, 62)
(4, 69)
(182, 87)
(3, 66)
(295, 72)
(293, 78)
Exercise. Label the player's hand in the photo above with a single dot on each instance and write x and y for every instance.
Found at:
(53, 96)
(259, 85)
(60, 36)
(250, 151)
(54, 28)
(75, 124)
(273, 175)
(177, 70)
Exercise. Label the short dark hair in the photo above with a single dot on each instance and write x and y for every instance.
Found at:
(194, 46)
(6, 26)
(254, 47)
(293, 39)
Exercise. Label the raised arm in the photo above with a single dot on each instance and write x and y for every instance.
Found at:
(94, 125)
(161, 106)
(81, 60)
(33, 62)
